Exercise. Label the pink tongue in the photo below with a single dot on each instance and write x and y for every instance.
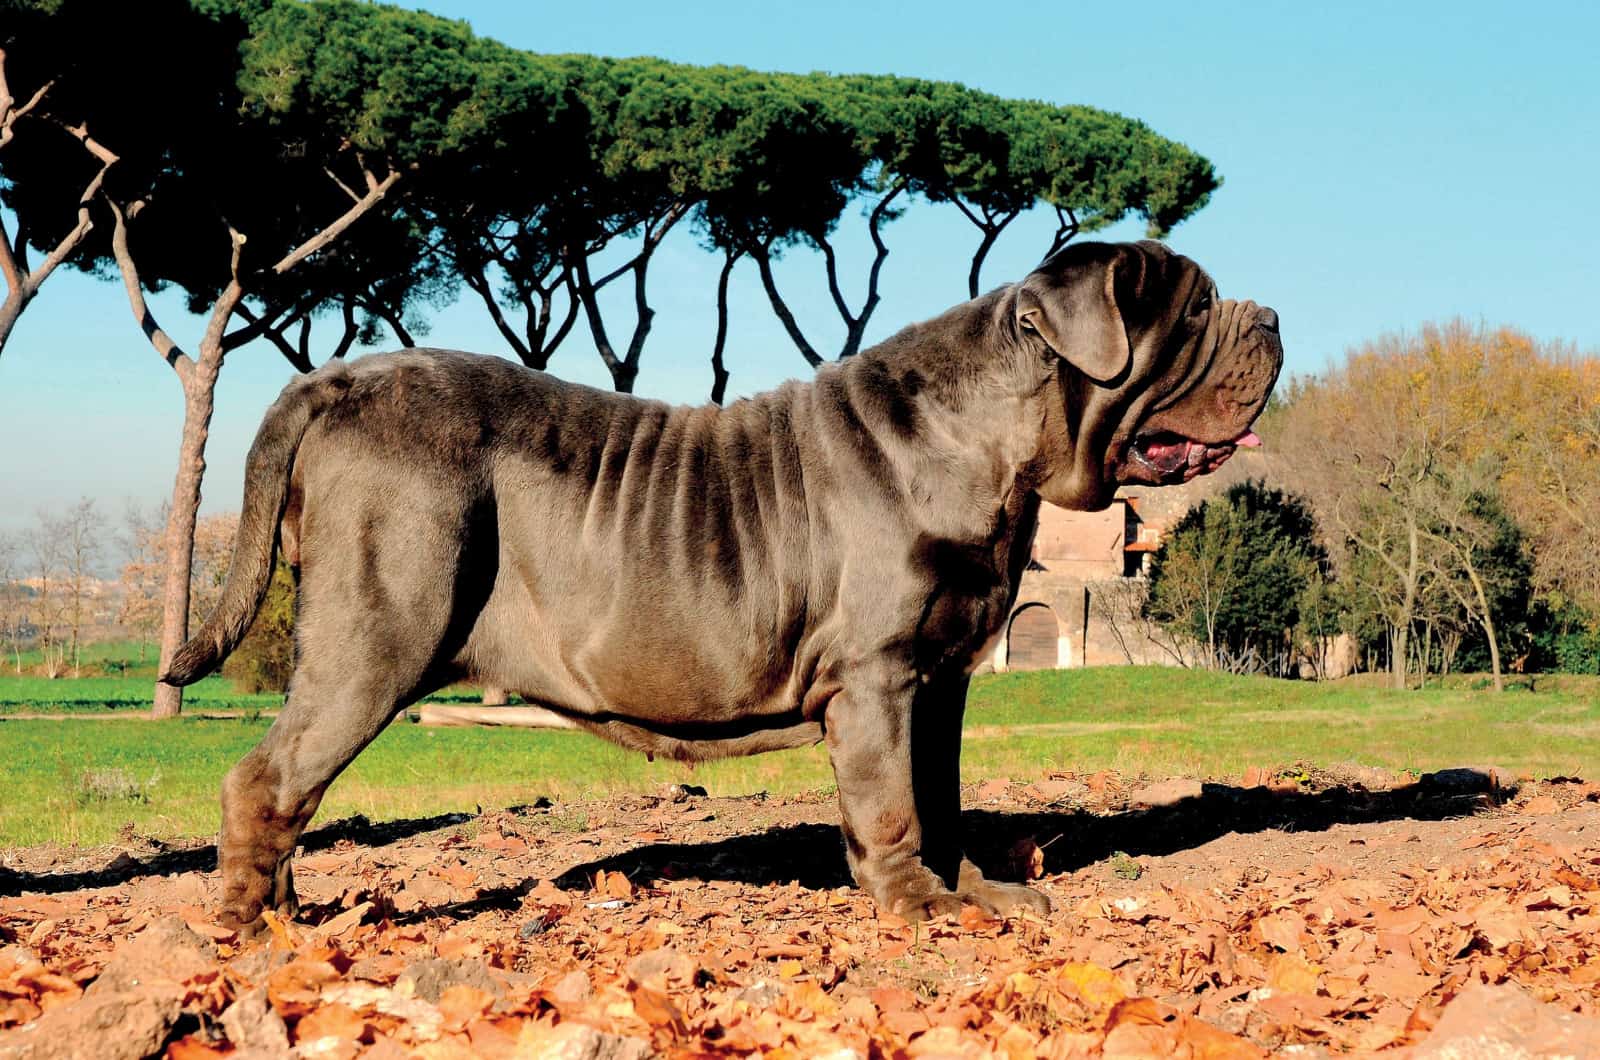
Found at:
(1248, 440)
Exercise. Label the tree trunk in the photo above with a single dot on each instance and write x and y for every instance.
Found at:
(780, 308)
(401, 333)
(1486, 619)
(1397, 654)
(990, 234)
(199, 401)
(10, 311)
(719, 371)
(198, 378)
(1494, 653)
(1408, 606)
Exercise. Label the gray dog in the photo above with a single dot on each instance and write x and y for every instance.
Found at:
(827, 561)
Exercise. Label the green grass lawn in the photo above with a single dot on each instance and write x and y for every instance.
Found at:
(42, 695)
(118, 677)
(80, 781)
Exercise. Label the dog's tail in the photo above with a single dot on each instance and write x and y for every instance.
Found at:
(266, 491)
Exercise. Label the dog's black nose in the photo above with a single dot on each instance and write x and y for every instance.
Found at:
(1268, 319)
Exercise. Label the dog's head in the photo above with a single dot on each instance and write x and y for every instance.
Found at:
(1151, 377)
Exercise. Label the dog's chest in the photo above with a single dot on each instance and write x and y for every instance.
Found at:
(971, 589)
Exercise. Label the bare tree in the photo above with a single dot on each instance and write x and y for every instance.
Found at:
(1123, 605)
(1196, 579)
(1367, 442)
(1551, 481)
(1458, 527)
(44, 557)
(12, 597)
(79, 532)
(140, 580)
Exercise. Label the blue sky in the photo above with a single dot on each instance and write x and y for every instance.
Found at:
(1385, 164)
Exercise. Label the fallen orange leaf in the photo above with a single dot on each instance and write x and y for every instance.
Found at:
(336, 1021)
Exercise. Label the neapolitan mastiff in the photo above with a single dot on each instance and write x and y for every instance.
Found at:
(827, 561)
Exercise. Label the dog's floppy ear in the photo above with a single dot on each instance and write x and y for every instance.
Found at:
(1072, 306)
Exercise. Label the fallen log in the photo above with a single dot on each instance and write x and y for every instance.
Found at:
(522, 717)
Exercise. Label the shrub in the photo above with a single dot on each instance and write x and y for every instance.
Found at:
(113, 785)
(264, 661)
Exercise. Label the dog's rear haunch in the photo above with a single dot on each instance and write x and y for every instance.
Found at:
(825, 561)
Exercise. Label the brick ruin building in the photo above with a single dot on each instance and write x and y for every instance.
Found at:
(1077, 555)
(1081, 596)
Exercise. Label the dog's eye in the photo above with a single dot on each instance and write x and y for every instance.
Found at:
(1201, 305)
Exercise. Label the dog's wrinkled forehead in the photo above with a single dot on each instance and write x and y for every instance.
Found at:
(1151, 283)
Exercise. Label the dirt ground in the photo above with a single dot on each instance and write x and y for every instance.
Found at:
(1297, 912)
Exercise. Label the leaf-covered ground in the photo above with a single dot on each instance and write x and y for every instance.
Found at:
(1294, 912)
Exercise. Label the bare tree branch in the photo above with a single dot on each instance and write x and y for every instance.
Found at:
(22, 281)
(10, 113)
(257, 324)
(376, 191)
(763, 256)
(565, 326)
(1066, 228)
(625, 369)
(165, 347)
(991, 225)
(479, 284)
(591, 310)
(830, 266)
(16, 281)
(396, 324)
(274, 330)
(347, 189)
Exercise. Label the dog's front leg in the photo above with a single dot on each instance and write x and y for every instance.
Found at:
(869, 736)
(936, 772)
(936, 766)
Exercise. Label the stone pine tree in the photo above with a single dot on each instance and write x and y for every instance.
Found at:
(284, 163)
(884, 142)
(282, 127)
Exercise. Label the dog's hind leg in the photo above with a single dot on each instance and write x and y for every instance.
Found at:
(270, 796)
(379, 621)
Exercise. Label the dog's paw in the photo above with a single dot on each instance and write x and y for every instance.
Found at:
(996, 899)
(1004, 899)
(247, 927)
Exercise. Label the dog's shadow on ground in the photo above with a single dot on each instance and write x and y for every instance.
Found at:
(164, 861)
(812, 855)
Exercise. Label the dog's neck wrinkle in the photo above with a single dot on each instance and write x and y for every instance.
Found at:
(969, 349)
(959, 400)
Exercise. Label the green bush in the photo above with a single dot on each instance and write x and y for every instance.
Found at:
(264, 661)
(1566, 638)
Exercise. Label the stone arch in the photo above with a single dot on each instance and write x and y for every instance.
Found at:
(1033, 639)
